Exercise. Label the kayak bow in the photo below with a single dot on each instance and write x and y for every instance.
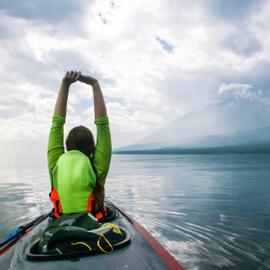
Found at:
(144, 252)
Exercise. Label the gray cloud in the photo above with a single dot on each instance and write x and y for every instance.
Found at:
(195, 89)
(12, 107)
(233, 11)
(44, 10)
(259, 77)
(243, 43)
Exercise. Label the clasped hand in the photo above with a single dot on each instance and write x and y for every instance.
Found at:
(73, 76)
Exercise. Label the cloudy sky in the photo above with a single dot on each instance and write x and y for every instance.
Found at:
(155, 60)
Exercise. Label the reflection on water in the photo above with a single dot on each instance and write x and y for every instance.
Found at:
(211, 212)
(23, 195)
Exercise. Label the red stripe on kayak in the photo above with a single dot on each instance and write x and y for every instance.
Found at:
(165, 256)
(168, 259)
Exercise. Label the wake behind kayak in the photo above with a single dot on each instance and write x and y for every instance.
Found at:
(137, 250)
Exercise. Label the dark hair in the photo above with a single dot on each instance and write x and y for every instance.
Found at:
(80, 138)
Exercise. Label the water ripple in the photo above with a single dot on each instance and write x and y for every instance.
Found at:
(211, 212)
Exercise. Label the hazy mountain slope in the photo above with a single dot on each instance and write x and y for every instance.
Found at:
(235, 121)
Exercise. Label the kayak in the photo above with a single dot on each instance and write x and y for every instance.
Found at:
(139, 249)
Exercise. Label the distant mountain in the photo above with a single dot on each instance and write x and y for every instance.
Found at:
(263, 148)
(237, 121)
(247, 137)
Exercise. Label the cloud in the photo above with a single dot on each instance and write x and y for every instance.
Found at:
(243, 43)
(234, 11)
(12, 106)
(43, 10)
(239, 89)
(156, 60)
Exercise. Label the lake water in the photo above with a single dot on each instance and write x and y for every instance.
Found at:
(210, 211)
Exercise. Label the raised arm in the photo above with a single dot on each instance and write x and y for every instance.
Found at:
(61, 102)
(99, 103)
(56, 136)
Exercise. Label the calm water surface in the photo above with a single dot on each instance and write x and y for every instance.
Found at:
(210, 211)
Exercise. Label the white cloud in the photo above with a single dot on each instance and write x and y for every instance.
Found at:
(239, 89)
(117, 42)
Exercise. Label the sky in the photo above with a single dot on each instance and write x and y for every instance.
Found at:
(156, 60)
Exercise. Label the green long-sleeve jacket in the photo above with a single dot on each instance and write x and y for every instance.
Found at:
(71, 172)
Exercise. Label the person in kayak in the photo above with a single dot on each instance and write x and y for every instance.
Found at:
(78, 175)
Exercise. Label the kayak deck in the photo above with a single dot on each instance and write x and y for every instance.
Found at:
(138, 255)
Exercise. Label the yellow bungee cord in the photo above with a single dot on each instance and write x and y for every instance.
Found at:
(107, 241)
(110, 226)
(81, 243)
(114, 227)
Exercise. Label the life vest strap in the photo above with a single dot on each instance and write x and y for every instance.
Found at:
(55, 199)
(58, 211)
